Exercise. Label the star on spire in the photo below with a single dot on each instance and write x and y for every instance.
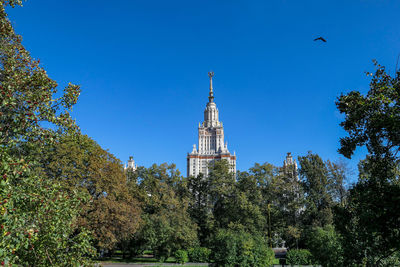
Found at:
(211, 97)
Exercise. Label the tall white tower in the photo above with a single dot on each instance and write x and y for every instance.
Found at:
(131, 164)
(290, 166)
(211, 141)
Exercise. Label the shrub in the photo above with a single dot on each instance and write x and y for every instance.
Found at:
(239, 248)
(199, 254)
(299, 256)
(181, 256)
(392, 260)
(325, 246)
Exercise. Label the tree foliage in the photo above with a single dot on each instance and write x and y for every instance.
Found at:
(230, 205)
(325, 245)
(369, 222)
(219, 200)
(167, 226)
(199, 254)
(237, 248)
(373, 121)
(38, 222)
(112, 214)
(40, 226)
(200, 206)
(338, 174)
(299, 257)
(314, 175)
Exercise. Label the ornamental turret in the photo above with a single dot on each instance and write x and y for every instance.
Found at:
(131, 164)
(290, 166)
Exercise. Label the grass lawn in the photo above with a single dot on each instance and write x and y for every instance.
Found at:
(117, 258)
(135, 260)
(146, 258)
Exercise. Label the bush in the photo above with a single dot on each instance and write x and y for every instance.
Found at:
(199, 254)
(325, 246)
(299, 256)
(181, 256)
(239, 248)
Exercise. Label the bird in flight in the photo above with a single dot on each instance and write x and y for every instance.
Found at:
(320, 38)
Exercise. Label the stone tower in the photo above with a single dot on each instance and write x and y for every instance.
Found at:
(211, 146)
(290, 166)
(131, 164)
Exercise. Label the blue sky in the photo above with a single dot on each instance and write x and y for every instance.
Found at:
(143, 65)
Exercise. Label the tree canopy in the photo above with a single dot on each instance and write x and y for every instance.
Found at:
(112, 214)
(39, 217)
(370, 220)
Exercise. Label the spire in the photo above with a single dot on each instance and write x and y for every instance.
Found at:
(211, 97)
(211, 111)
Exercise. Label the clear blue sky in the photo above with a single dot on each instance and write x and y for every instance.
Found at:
(143, 70)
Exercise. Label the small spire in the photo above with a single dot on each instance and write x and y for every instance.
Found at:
(211, 97)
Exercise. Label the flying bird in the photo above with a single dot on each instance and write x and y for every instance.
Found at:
(320, 38)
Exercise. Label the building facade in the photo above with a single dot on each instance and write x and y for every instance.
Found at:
(131, 164)
(290, 167)
(211, 144)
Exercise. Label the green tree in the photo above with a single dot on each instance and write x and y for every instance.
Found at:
(167, 226)
(289, 201)
(39, 218)
(265, 174)
(299, 256)
(325, 245)
(200, 206)
(371, 218)
(40, 225)
(314, 174)
(266, 177)
(277, 194)
(112, 214)
(229, 204)
(369, 223)
(373, 121)
(238, 248)
(337, 177)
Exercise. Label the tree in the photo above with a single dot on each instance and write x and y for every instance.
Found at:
(40, 225)
(289, 200)
(277, 194)
(324, 243)
(235, 247)
(200, 206)
(369, 223)
(38, 222)
(371, 216)
(267, 178)
(314, 175)
(374, 121)
(167, 226)
(230, 205)
(113, 215)
(337, 176)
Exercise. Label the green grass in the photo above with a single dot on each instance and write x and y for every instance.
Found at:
(135, 260)
(117, 258)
